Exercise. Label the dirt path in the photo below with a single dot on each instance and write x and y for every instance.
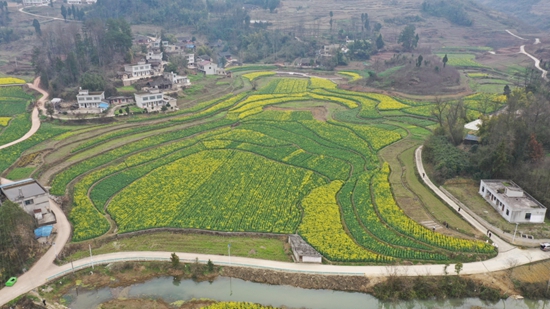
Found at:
(34, 115)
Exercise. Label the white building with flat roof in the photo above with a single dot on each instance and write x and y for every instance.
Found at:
(511, 202)
(141, 69)
(88, 99)
(153, 100)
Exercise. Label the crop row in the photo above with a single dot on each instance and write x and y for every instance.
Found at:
(114, 134)
(254, 75)
(321, 227)
(291, 85)
(396, 218)
(366, 239)
(257, 106)
(221, 106)
(386, 102)
(354, 76)
(222, 190)
(12, 106)
(316, 82)
(14, 92)
(63, 178)
(376, 137)
(347, 103)
(4, 121)
(18, 126)
(11, 80)
(368, 105)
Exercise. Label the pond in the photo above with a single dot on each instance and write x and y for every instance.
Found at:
(228, 289)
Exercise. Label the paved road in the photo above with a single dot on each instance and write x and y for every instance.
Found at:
(22, 10)
(34, 116)
(537, 61)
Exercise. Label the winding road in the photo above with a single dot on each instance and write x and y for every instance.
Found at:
(537, 61)
(34, 115)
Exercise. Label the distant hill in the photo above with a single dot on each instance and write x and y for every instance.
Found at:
(531, 12)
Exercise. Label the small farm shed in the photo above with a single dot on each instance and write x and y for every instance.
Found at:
(511, 202)
(302, 251)
(471, 139)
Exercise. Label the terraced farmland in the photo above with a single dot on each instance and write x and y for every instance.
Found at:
(14, 120)
(238, 164)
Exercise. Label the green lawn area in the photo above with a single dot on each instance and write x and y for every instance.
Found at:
(261, 248)
(126, 89)
(462, 60)
(20, 173)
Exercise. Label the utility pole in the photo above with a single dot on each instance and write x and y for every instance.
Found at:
(514, 239)
(91, 259)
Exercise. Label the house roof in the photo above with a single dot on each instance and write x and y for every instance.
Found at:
(22, 189)
(204, 62)
(472, 138)
(301, 247)
(159, 82)
(498, 188)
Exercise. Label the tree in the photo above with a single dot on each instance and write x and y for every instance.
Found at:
(445, 60)
(210, 266)
(380, 42)
(175, 260)
(458, 268)
(50, 109)
(500, 160)
(36, 25)
(439, 110)
(64, 12)
(536, 152)
(330, 22)
(455, 121)
(507, 91)
(419, 61)
(120, 111)
(366, 22)
(51, 3)
(127, 110)
(164, 108)
(171, 67)
(408, 38)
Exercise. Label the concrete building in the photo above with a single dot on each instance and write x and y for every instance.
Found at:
(154, 56)
(511, 202)
(87, 99)
(35, 2)
(210, 68)
(29, 194)
(302, 251)
(153, 100)
(141, 69)
(176, 80)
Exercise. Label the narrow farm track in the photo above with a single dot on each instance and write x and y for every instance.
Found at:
(34, 115)
(535, 59)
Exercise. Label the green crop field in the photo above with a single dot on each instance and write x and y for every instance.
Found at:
(14, 119)
(296, 156)
(462, 60)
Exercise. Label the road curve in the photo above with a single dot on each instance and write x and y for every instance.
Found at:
(537, 62)
(34, 116)
(22, 10)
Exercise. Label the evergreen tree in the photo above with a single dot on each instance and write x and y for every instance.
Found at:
(380, 42)
(408, 38)
(64, 12)
(36, 25)
(445, 60)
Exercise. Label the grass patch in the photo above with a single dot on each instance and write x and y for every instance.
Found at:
(20, 173)
(126, 89)
(256, 247)
(462, 60)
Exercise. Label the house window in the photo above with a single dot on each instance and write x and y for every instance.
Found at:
(482, 189)
(528, 216)
(29, 202)
(507, 212)
(159, 96)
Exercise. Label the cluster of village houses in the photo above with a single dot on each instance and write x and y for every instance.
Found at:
(159, 82)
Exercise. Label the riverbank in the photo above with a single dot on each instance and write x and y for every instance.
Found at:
(392, 287)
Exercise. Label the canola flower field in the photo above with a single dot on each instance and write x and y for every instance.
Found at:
(239, 167)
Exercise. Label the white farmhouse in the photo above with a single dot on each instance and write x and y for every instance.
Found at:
(176, 80)
(190, 59)
(154, 56)
(511, 202)
(141, 69)
(153, 100)
(35, 2)
(87, 99)
(28, 193)
(207, 67)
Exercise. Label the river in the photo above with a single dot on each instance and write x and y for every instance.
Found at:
(226, 289)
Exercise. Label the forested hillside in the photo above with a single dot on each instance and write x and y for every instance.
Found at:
(17, 243)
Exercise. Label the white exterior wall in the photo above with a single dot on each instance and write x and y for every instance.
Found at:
(138, 70)
(149, 100)
(190, 59)
(41, 202)
(74, 2)
(86, 100)
(507, 212)
(311, 259)
(209, 69)
(35, 2)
